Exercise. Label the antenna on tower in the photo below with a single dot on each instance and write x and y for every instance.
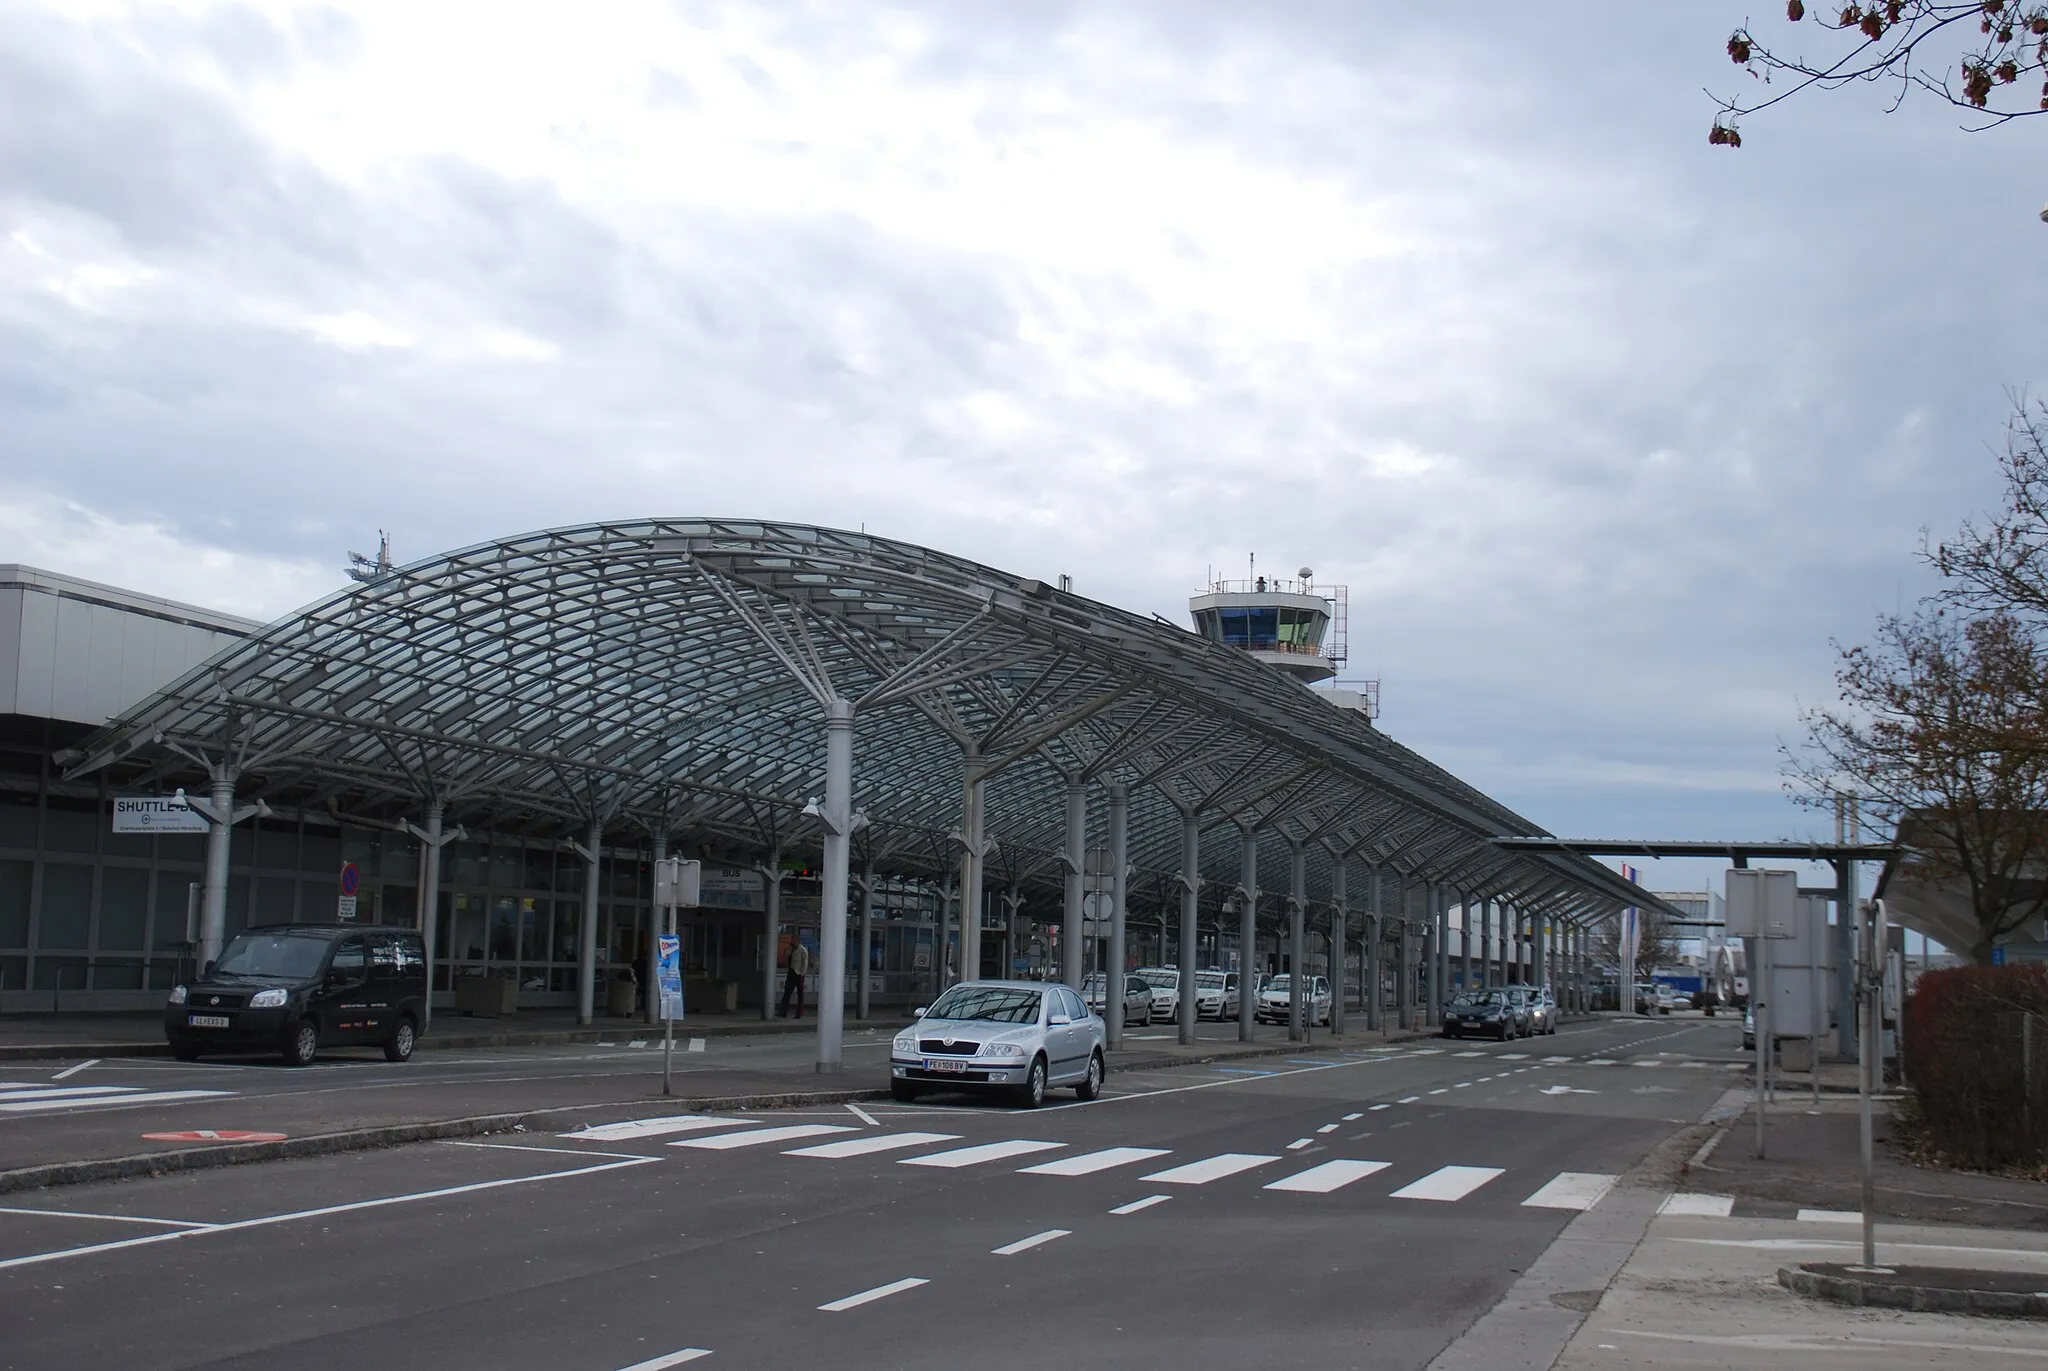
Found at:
(369, 569)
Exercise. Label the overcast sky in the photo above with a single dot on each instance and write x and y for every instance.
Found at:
(1608, 432)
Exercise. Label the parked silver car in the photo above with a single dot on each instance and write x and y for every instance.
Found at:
(1137, 999)
(1021, 1037)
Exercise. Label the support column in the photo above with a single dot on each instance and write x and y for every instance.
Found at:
(650, 988)
(1434, 942)
(771, 928)
(1074, 922)
(972, 828)
(867, 943)
(1190, 908)
(429, 902)
(1465, 941)
(1120, 880)
(1247, 931)
(838, 823)
(1404, 979)
(1375, 932)
(592, 853)
(1339, 906)
(1297, 917)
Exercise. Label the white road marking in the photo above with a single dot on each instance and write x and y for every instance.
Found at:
(109, 1218)
(880, 1292)
(55, 1092)
(1088, 1163)
(268, 1220)
(984, 1152)
(1026, 1244)
(1599, 1061)
(637, 1042)
(1571, 1190)
(696, 1045)
(528, 1147)
(1468, 1054)
(1553, 1061)
(1210, 1168)
(672, 1359)
(1352, 1118)
(788, 1132)
(1375, 1107)
(1461, 1085)
(1830, 1216)
(1408, 1099)
(863, 1115)
(1846, 1342)
(1698, 1206)
(1332, 1128)
(873, 1142)
(1321, 1180)
(1299, 1143)
(15, 1103)
(1449, 1183)
(1135, 1205)
(1441, 1090)
(68, 1072)
(1514, 1056)
(653, 1128)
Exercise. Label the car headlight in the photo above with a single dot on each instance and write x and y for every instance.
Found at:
(905, 1042)
(268, 999)
(177, 994)
(1002, 1050)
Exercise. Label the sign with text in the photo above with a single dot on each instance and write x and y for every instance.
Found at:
(156, 814)
(668, 973)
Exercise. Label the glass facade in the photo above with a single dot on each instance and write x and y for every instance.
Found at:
(1267, 628)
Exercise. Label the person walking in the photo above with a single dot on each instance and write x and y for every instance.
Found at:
(793, 981)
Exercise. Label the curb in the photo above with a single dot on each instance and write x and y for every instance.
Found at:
(1923, 1299)
(365, 1139)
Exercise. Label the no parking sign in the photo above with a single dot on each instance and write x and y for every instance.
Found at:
(351, 882)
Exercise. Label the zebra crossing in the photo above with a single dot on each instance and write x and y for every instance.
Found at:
(1662, 1060)
(41, 1097)
(1446, 1184)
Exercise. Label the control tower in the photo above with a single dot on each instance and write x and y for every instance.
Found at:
(1289, 624)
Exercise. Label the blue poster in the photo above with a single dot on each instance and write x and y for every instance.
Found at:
(668, 973)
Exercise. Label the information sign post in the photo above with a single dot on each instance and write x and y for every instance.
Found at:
(676, 883)
(1762, 906)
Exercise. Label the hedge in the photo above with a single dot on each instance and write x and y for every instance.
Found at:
(1982, 1095)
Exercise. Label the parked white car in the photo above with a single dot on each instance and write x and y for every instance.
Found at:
(1315, 1000)
(1165, 983)
(1020, 1037)
(1216, 995)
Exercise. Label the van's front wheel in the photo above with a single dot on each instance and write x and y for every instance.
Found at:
(304, 1042)
(398, 1047)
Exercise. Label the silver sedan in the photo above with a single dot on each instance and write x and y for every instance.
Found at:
(1019, 1037)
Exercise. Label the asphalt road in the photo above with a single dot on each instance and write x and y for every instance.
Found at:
(1347, 1207)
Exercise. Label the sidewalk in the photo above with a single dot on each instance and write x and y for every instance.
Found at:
(1814, 1161)
(1703, 1293)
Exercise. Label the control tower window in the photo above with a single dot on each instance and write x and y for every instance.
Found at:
(1300, 627)
(1249, 626)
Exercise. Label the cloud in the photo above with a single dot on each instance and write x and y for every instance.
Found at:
(1608, 433)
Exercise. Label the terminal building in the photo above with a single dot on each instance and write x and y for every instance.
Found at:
(853, 734)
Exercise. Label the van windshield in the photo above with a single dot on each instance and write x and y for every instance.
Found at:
(281, 955)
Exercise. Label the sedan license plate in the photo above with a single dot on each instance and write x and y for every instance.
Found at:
(943, 1064)
(206, 1020)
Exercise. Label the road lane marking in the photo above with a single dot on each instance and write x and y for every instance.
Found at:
(1321, 1180)
(653, 1128)
(1210, 1168)
(15, 1104)
(1449, 1183)
(755, 1137)
(672, 1359)
(1468, 1054)
(982, 1152)
(880, 1292)
(1299, 1143)
(269, 1220)
(68, 1072)
(1553, 1061)
(109, 1218)
(1026, 1244)
(873, 1142)
(529, 1147)
(1599, 1061)
(1698, 1206)
(696, 1045)
(1514, 1056)
(55, 1092)
(863, 1115)
(1571, 1190)
(1243, 1071)
(1441, 1090)
(1352, 1118)
(1374, 1109)
(1332, 1128)
(1135, 1205)
(1830, 1216)
(1088, 1163)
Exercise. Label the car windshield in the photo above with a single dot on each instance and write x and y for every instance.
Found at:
(993, 1003)
(1278, 982)
(1473, 999)
(1092, 986)
(1210, 980)
(1161, 980)
(285, 955)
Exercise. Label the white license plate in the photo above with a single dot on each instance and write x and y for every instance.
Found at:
(207, 1020)
(943, 1064)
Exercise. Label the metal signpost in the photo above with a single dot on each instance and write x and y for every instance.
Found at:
(1762, 906)
(1870, 962)
(351, 882)
(676, 883)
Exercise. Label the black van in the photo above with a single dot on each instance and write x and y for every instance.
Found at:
(296, 988)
